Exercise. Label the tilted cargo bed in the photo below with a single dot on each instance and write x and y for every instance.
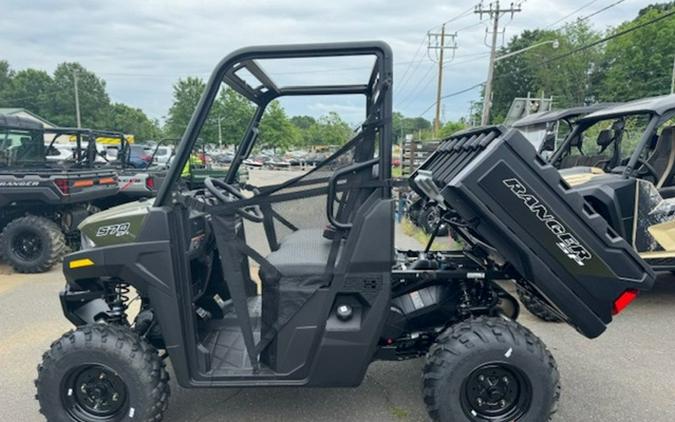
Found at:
(517, 203)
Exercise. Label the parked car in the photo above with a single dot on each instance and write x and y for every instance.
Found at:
(60, 153)
(139, 157)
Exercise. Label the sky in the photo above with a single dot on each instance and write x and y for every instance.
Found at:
(142, 47)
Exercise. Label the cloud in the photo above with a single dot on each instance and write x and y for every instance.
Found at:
(142, 47)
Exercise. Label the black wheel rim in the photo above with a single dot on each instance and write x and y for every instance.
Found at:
(496, 392)
(27, 245)
(93, 393)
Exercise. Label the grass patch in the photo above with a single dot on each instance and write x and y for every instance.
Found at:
(400, 413)
(445, 243)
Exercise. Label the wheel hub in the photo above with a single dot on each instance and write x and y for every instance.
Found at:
(496, 392)
(95, 393)
(27, 246)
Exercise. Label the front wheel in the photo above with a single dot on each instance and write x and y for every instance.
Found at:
(102, 373)
(490, 369)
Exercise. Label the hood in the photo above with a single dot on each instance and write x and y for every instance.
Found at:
(117, 225)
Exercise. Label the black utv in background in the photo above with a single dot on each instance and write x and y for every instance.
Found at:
(42, 202)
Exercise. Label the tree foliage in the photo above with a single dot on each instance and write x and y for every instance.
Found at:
(639, 64)
(127, 119)
(53, 98)
(186, 95)
(94, 100)
(635, 65)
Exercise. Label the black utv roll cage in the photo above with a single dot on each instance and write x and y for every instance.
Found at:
(91, 136)
(658, 109)
(261, 95)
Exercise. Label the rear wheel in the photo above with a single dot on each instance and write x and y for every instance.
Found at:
(536, 306)
(490, 369)
(32, 244)
(102, 373)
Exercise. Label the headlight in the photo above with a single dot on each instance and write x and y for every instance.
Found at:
(85, 242)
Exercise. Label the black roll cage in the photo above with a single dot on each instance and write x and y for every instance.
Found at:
(90, 135)
(655, 120)
(377, 90)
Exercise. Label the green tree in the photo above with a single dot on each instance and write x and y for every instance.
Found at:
(130, 120)
(307, 128)
(451, 127)
(94, 100)
(403, 126)
(30, 89)
(516, 76)
(5, 78)
(234, 112)
(570, 81)
(329, 129)
(276, 130)
(639, 64)
(186, 95)
(303, 122)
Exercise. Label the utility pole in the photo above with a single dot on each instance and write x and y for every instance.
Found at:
(494, 13)
(437, 43)
(77, 99)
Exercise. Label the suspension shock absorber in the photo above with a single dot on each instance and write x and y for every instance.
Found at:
(118, 300)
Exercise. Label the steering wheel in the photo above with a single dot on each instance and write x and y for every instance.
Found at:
(645, 170)
(227, 193)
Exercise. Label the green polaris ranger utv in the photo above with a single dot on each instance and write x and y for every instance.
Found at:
(298, 283)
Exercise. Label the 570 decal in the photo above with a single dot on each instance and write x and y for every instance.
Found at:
(117, 230)
(569, 244)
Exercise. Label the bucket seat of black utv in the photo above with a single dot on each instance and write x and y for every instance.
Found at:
(303, 253)
(662, 159)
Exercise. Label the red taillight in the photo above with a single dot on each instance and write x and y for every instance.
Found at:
(624, 300)
(63, 185)
(150, 183)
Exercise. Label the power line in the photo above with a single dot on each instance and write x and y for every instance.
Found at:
(419, 48)
(610, 37)
(410, 95)
(597, 12)
(572, 14)
(414, 89)
(569, 53)
(453, 94)
(404, 81)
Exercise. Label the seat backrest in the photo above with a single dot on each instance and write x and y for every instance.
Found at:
(663, 157)
(605, 138)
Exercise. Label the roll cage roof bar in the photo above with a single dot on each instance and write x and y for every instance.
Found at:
(245, 58)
